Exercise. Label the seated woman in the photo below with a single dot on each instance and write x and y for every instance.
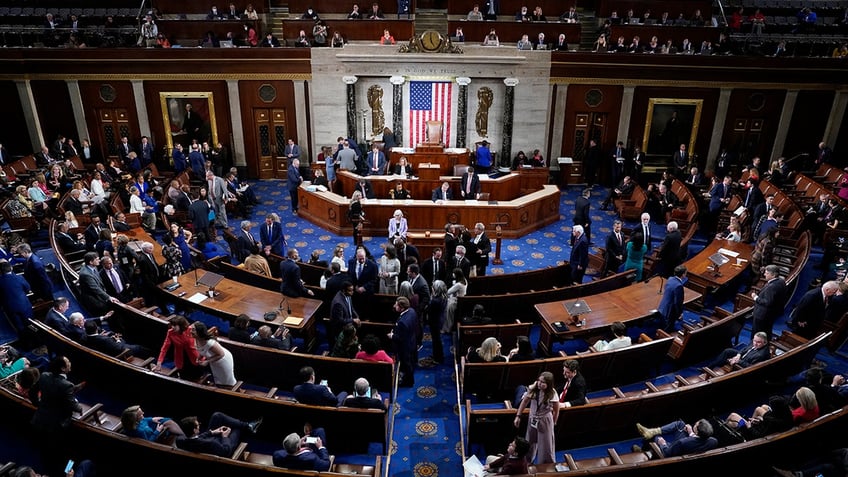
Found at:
(155, 429)
(621, 340)
(210, 249)
(320, 179)
(387, 38)
(537, 160)
(491, 39)
(240, 331)
(488, 352)
(523, 350)
(302, 41)
(402, 168)
(805, 407)
(520, 160)
(399, 193)
(398, 226)
(371, 350)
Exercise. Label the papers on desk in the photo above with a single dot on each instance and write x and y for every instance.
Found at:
(739, 211)
(293, 321)
(197, 298)
(729, 253)
(471, 201)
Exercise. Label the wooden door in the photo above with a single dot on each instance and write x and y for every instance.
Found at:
(588, 126)
(112, 125)
(270, 138)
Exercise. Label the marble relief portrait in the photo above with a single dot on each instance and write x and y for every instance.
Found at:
(485, 96)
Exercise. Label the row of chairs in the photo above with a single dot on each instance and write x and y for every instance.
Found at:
(65, 12)
(796, 4)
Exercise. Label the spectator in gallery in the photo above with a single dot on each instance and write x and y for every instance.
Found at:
(270, 41)
(387, 38)
(376, 12)
(250, 13)
(354, 14)
(310, 14)
(537, 15)
(338, 40)
(251, 37)
(475, 14)
(459, 36)
(302, 41)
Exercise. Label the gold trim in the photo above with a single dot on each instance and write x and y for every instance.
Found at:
(160, 77)
(560, 80)
(696, 120)
(166, 115)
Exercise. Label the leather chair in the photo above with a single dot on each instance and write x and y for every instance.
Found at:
(460, 169)
(434, 132)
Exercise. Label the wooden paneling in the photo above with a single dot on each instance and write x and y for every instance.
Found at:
(249, 94)
(371, 30)
(809, 118)
(298, 7)
(16, 137)
(55, 114)
(93, 94)
(676, 34)
(179, 30)
(751, 123)
(583, 102)
(509, 32)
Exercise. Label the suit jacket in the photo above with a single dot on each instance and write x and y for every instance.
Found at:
(13, 290)
(437, 194)
(198, 213)
(576, 392)
(679, 160)
(306, 460)
(198, 164)
(428, 269)
(811, 311)
(752, 198)
(581, 211)
(483, 245)
(93, 294)
(294, 150)
(334, 283)
(149, 270)
(75, 206)
(718, 192)
(53, 396)
(422, 289)
(464, 265)
(770, 301)
(671, 306)
(105, 344)
(36, 275)
(244, 244)
(55, 320)
(404, 333)
(274, 239)
(290, 274)
(475, 186)
(146, 153)
(612, 248)
(340, 314)
(68, 244)
(110, 287)
(315, 394)
(364, 402)
(218, 192)
(208, 443)
(92, 236)
(366, 189)
(381, 163)
(398, 169)
(579, 253)
(751, 356)
(670, 249)
(182, 202)
(689, 445)
(697, 179)
(180, 162)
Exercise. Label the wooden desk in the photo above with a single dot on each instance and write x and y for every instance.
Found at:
(627, 304)
(700, 274)
(426, 242)
(508, 187)
(446, 159)
(509, 32)
(233, 298)
(521, 216)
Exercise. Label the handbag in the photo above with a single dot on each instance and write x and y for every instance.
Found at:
(211, 215)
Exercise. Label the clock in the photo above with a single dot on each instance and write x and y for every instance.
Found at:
(431, 41)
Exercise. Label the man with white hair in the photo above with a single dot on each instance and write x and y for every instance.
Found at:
(669, 252)
(808, 314)
(304, 453)
(645, 226)
(217, 190)
(460, 261)
(579, 259)
(244, 242)
(149, 273)
(364, 397)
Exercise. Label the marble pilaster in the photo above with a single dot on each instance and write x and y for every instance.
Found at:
(462, 111)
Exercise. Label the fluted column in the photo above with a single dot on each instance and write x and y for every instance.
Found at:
(397, 106)
(462, 111)
(509, 111)
(350, 81)
(783, 124)
(30, 113)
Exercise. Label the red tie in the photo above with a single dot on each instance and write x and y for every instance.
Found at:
(564, 391)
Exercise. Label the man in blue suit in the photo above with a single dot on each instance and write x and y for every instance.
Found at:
(342, 312)
(579, 259)
(316, 394)
(376, 162)
(35, 273)
(198, 162)
(146, 151)
(292, 150)
(56, 317)
(292, 285)
(271, 236)
(719, 198)
(180, 163)
(671, 306)
(299, 454)
(403, 338)
(13, 290)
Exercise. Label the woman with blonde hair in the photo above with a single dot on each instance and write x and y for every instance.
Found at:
(807, 408)
(388, 271)
(488, 352)
(338, 257)
(356, 216)
(71, 219)
(544, 411)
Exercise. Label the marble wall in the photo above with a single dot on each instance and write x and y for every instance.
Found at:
(371, 65)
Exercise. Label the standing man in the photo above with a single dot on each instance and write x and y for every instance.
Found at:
(14, 290)
(217, 189)
(271, 236)
(420, 287)
(146, 151)
(197, 161)
(461, 262)
(809, 313)
(149, 277)
(124, 150)
(581, 213)
(719, 198)
(292, 150)
(434, 268)
(680, 160)
(671, 306)
(92, 292)
(53, 396)
(614, 250)
(376, 161)
(403, 339)
(617, 162)
(451, 241)
(245, 242)
(292, 285)
(482, 248)
(342, 312)
(470, 185)
(35, 273)
(593, 160)
(363, 275)
(769, 303)
(579, 259)
(637, 163)
(669, 253)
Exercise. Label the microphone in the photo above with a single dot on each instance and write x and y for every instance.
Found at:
(659, 292)
(196, 280)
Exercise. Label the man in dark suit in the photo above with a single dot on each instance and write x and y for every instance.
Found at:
(67, 243)
(183, 200)
(342, 311)
(149, 273)
(124, 149)
(682, 438)
(469, 185)
(754, 353)
(753, 195)
(316, 394)
(363, 275)
(760, 213)
(403, 338)
(279, 339)
(292, 285)
(574, 391)
(769, 303)
(420, 287)
(35, 274)
(451, 241)
(434, 268)
(198, 213)
(271, 236)
(624, 189)
(222, 437)
(719, 198)
(197, 162)
(89, 154)
(56, 317)
(299, 455)
(365, 188)
(115, 281)
(93, 293)
(362, 397)
(618, 158)
(292, 150)
(482, 248)
(579, 259)
(671, 306)
(645, 227)
(669, 253)
(808, 314)
(337, 278)
(92, 233)
(146, 152)
(614, 250)
(111, 343)
(680, 160)
(43, 157)
(461, 262)
(244, 242)
(442, 193)
(53, 397)
(824, 155)
(695, 178)
(404, 251)
(581, 213)
(13, 291)
(376, 161)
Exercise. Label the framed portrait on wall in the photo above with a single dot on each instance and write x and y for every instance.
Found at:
(671, 122)
(189, 116)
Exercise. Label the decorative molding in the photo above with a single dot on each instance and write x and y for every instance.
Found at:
(161, 77)
(349, 79)
(463, 80)
(397, 80)
(691, 84)
(511, 81)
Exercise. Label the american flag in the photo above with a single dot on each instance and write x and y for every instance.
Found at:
(428, 101)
